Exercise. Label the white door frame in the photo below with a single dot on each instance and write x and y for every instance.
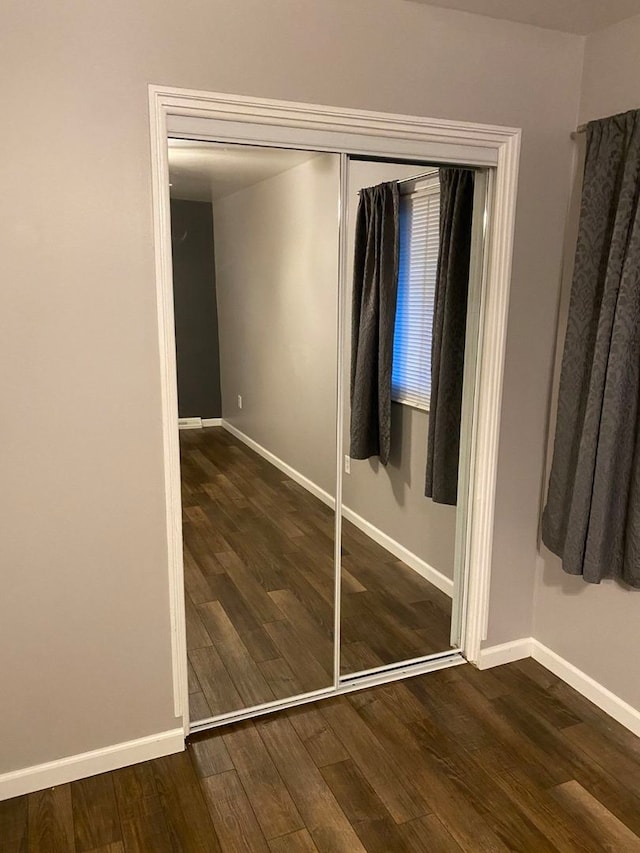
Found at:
(342, 130)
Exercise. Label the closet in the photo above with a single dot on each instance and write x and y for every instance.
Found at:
(312, 566)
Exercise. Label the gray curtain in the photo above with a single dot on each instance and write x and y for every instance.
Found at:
(592, 516)
(448, 338)
(375, 286)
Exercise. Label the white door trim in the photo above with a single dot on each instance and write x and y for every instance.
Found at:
(343, 130)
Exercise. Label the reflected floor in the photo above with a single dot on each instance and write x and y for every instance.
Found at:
(390, 613)
(258, 561)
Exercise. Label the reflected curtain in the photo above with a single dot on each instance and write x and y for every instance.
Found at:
(448, 337)
(375, 285)
(592, 516)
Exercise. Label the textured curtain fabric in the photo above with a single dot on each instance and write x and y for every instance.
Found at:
(448, 338)
(592, 516)
(375, 286)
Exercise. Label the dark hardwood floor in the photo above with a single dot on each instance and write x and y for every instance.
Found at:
(457, 760)
(259, 580)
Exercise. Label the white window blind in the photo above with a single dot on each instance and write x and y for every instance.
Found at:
(419, 241)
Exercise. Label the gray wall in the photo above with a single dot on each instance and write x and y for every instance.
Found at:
(196, 310)
(596, 628)
(84, 614)
(392, 497)
(276, 269)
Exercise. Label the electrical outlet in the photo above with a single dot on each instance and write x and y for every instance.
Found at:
(239, 401)
(347, 464)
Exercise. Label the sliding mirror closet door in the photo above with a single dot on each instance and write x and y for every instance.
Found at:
(403, 523)
(255, 259)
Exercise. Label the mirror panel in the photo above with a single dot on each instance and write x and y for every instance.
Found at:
(400, 550)
(255, 256)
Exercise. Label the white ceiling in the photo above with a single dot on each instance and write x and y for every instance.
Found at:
(571, 16)
(205, 171)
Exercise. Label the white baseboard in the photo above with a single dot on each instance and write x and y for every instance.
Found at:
(504, 653)
(198, 423)
(435, 577)
(299, 478)
(440, 581)
(189, 423)
(591, 689)
(625, 714)
(41, 776)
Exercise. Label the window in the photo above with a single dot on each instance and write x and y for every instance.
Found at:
(419, 242)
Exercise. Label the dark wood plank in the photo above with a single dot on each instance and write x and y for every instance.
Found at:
(280, 678)
(356, 796)
(218, 688)
(193, 683)
(199, 707)
(323, 817)
(536, 802)
(180, 793)
(295, 842)
(611, 833)
(197, 637)
(370, 819)
(238, 662)
(209, 754)
(97, 822)
(433, 778)
(376, 764)
(317, 638)
(136, 782)
(14, 825)
(428, 835)
(144, 826)
(232, 815)
(51, 821)
(267, 793)
(196, 584)
(320, 742)
(255, 595)
(500, 726)
(615, 796)
(308, 670)
(608, 755)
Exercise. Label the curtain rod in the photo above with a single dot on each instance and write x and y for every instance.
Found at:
(419, 177)
(579, 130)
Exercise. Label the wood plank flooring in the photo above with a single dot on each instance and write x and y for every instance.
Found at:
(457, 760)
(258, 554)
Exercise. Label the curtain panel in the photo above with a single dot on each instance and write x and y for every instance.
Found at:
(375, 285)
(449, 331)
(592, 515)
